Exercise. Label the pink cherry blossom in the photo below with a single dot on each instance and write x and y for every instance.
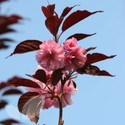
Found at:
(75, 59)
(45, 92)
(50, 55)
(68, 91)
(49, 93)
(70, 44)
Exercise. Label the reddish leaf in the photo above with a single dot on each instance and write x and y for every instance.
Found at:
(6, 39)
(3, 46)
(52, 24)
(6, 30)
(17, 81)
(25, 98)
(9, 122)
(56, 76)
(96, 57)
(3, 41)
(12, 92)
(93, 70)
(14, 19)
(4, 85)
(74, 84)
(49, 10)
(80, 36)
(66, 11)
(75, 17)
(40, 75)
(3, 103)
(5, 21)
(27, 46)
(30, 104)
(3, 1)
(91, 48)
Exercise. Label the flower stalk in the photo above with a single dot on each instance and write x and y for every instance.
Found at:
(60, 121)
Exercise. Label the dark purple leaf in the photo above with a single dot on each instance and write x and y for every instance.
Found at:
(3, 46)
(40, 75)
(56, 76)
(49, 10)
(74, 84)
(14, 19)
(3, 1)
(3, 103)
(4, 85)
(12, 92)
(80, 36)
(30, 104)
(93, 70)
(6, 30)
(91, 48)
(6, 21)
(17, 81)
(6, 40)
(3, 21)
(25, 98)
(96, 57)
(75, 17)
(27, 46)
(9, 122)
(66, 11)
(3, 41)
(52, 24)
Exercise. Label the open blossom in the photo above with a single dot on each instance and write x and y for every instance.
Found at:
(50, 55)
(68, 91)
(75, 59)
(75, 56)
(50, 92)
(70, 44)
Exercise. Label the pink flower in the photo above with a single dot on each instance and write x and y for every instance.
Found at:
(70, 44)
(50, 55)
(45, 92)
(75, 59)
(50, 92)
(68, 91)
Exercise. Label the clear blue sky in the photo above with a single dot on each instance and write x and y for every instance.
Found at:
(99, 100)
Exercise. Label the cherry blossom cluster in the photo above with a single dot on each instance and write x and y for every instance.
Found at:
(49, 92)
(53, 83)
(52, 55)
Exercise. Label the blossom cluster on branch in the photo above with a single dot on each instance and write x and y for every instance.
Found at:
(52, 55)
(59, 64)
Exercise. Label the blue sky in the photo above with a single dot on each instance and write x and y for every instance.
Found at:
(99, 100)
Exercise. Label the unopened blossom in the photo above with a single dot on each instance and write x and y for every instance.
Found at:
(50, 55)
(75, 59)
(70, 44)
